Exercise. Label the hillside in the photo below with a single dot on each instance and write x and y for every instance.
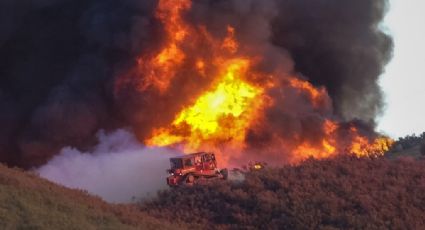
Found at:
(28, 202)
(345, 192)
(414, 151)
(410, 145)
(342, 193)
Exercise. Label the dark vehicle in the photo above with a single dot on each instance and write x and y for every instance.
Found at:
(190, 168)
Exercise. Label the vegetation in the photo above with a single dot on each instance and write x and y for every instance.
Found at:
(343, 193)
(410, 145)
(410, 141)
(423, 148)
(28, 202)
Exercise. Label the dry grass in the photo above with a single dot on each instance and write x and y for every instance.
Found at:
(343, 193)
(409, 152)
(29, 202)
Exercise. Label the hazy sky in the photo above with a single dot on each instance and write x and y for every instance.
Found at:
(404, 80)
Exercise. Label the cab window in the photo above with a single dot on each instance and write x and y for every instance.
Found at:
(207, 158)
(176, 163)
(189, 162)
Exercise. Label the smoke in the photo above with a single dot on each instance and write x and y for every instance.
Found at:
(336, 44)
(59, 61)
(119, 169)
(339, 45)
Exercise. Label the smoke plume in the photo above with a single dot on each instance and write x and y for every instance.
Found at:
(119, 169)
(60, 62)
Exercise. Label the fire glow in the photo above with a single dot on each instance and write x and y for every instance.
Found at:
(236, 100)
(224, 113)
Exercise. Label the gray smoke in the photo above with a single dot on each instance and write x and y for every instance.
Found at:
(119, 169)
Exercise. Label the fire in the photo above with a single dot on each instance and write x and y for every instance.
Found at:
(315, 94)
(362, 146)
(326, 148)
(161, 68)
(230, 43)
(235, 100)
(222, 114)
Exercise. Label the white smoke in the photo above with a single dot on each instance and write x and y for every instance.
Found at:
(119, 169)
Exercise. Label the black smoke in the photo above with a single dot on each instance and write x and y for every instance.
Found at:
(338, 44)
(59, 61)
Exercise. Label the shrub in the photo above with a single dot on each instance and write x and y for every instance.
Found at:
(423, 148)
(340, 193)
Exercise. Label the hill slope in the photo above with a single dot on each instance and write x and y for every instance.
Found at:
(342, 193)
(414, 151)
(410, 145)
(28, 202)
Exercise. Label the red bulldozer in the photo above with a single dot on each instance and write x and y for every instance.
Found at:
(190, 168)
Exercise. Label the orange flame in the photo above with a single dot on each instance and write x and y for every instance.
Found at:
(222, 114)
(230, 42)
(162, 67)
(362, 146)
(359, 145)
(233, 103)
(316, 95)
(225, 111)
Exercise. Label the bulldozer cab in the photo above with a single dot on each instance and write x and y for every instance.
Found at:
(182, 163)
(194, 160)
(189, 168)
(176, 163)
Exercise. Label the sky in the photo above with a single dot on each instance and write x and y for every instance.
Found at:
(404, 80)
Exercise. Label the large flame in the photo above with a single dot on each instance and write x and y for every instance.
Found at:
(330, 145)
(234, 102)
(160, 69)
(222, 114)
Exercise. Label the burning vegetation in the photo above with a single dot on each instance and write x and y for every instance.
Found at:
(229, 111)
(256, 80)
(270, 82)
